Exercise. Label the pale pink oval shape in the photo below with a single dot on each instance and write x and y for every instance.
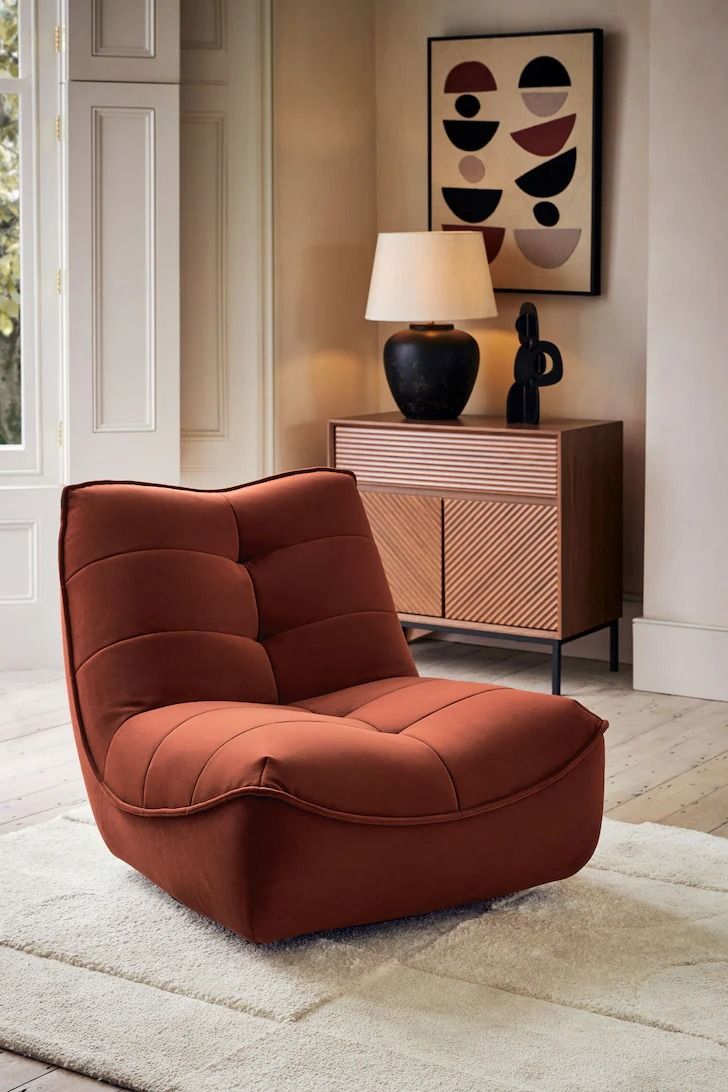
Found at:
(471, 168)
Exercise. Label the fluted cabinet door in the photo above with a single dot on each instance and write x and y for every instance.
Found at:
(502, 563)
(408, 532)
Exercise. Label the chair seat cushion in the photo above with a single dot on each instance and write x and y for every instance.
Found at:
(398, 750)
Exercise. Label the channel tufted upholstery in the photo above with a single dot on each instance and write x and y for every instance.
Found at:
(253, 732)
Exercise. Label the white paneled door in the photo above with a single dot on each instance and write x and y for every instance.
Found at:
(122, 275)
(225, 264)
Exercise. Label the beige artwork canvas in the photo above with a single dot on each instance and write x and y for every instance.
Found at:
(514, 139)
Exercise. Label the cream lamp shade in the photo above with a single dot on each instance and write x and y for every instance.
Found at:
(430, 276)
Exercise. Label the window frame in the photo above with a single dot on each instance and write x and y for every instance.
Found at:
(37, 87)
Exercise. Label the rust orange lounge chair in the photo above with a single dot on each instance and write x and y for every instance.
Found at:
(253, 732)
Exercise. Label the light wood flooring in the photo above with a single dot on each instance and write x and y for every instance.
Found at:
(667, 762)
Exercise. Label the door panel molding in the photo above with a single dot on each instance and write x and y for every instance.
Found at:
(204, 288)
(135, 41)
(124, 374)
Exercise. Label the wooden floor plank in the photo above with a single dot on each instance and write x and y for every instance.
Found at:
(38, 1077)
(710, 812)
(678, 792)
(65, 795)
(640, 781)
(22, 782)
(664, 751)
(16, 1071)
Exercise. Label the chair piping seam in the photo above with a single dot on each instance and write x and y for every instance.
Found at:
(444, 766)
(163, 633)
(398, 731)
(257, 632)
(174, 728)
(207, 553)
(151, 550)
(328, 693)
(242, 732)
(320, 621)
(450, 704)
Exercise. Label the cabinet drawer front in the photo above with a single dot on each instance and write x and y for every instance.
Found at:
(408, 532)
(517, 463)
(502, 563)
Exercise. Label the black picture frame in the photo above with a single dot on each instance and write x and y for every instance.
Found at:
(597, 34)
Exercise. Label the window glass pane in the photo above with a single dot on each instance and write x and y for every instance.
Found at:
(10, 387)
(8, 37)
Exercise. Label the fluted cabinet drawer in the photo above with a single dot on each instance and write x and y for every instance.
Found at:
(408, 533)
(502, 563)
(520, 464)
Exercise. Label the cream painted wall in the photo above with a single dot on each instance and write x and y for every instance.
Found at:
(681, 645)
(602, 339)
(324, 220)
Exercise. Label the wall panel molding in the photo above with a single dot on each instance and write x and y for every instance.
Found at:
(19, 579)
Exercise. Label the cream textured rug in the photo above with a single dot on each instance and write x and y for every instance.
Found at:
(614, 980)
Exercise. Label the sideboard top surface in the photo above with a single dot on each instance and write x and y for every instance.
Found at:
(470, 422)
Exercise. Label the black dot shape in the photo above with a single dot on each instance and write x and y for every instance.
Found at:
(470, 136)
(550, 178)
(544, 72)
(467, 106)
(471, 205)
(546, 213)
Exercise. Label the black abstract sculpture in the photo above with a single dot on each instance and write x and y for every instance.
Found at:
(529, 369)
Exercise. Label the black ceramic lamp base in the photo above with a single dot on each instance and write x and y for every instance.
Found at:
(431, 370)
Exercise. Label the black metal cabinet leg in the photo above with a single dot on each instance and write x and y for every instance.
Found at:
(614, 646)
(556, 667)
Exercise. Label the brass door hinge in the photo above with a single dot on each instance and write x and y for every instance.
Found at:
(59, 281)
(59, 38)
(60, 434)
(58, 126)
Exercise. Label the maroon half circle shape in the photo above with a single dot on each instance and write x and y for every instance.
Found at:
(470, 76)
(546, 139)
(492, 237)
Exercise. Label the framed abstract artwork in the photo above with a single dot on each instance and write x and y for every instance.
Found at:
(515, 153)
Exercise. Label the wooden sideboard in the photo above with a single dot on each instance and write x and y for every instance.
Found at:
(492, 529)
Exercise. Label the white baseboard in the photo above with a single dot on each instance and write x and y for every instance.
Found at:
(681, 658)
(594, 647)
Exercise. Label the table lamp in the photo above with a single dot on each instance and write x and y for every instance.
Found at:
(429, 279)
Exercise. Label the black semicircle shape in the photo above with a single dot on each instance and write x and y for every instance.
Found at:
(470, 136)
(471, 205)
(544, 72)
(549, 178)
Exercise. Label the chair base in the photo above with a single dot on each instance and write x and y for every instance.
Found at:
(270, 871)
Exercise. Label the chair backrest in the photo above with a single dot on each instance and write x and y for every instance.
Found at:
(269, 592)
